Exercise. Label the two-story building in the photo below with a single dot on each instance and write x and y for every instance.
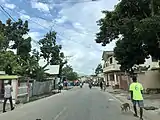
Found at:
(118, 79)
(112, 74)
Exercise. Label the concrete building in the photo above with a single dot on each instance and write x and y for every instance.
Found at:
(112, 74)
(117, 79)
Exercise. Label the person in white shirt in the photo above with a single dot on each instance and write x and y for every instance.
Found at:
(7, 96)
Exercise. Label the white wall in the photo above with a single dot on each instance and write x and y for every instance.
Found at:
(39, 88)
(150, 79)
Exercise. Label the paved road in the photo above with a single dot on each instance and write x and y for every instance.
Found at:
(76, 104)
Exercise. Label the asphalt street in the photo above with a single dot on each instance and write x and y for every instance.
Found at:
(76, 104)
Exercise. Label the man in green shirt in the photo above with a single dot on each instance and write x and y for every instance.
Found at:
(136, 96)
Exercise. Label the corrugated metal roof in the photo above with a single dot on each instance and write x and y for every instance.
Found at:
(52, 69)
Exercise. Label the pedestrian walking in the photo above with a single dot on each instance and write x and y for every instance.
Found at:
(60, 86)
(136, 89)
(104, 86)
(7, 96)
(101, 85)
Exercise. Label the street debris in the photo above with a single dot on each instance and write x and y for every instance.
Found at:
(150, 108)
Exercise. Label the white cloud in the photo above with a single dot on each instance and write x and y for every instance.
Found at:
(24, 17)
(40, 6)
(3, 1)
(38, 23)
(11, 6)
(79, 41)
(35, 35)
(61, 20)
(86, 52)
(78, 26)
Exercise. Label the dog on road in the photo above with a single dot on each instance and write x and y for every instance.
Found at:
(125, 107)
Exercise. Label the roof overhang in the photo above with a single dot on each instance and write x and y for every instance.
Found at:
(9, 77)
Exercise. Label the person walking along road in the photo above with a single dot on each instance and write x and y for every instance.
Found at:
(7, 96)
(104, 86)
(136, 96)
(101, 85)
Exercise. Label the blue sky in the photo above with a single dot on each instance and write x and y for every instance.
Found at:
(73, 20)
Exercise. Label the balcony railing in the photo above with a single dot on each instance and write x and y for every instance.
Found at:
(113, 67)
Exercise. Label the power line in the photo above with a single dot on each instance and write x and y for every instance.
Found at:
(59, 35)
(49, 20)
(4, 11)
(48, 2)
(7, 13)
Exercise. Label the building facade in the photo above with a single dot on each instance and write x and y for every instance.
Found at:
(117, 79)
(112, 74)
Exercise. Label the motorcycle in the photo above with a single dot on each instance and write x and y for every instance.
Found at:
(80, 86)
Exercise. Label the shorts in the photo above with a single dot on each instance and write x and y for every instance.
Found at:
(139, 102)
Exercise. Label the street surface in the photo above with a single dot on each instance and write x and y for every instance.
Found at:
(76, 104)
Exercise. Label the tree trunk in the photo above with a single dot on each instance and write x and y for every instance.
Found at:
(152, 8)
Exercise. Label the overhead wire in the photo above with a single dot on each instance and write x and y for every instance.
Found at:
(59, 35)
(54, 21)
(48, 2)
(9, 16)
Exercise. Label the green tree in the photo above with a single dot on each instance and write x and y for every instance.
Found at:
(18, 30)
(4, 42)
(8, 63)
(68, 72)
(14, 32)
(51, 51)
(99, 69)
(131, 20)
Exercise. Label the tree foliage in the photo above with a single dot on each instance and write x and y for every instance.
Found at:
(25, 62)
(68, 72)
(136, 28)
(51, 51)
(99, 69)
(13, 32)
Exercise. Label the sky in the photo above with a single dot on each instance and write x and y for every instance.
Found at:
(73, 20)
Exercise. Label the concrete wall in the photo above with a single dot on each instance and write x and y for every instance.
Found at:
(35, 88)
(38, 88)
(150, 79)
(22, 93)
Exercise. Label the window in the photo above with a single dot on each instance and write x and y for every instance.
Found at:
(111, 60)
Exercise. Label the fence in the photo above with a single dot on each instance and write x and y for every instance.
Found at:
(35, 88)
(38, 88)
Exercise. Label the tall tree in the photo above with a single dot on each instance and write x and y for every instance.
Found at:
(130, 20)
(17, 31)
(51, 51)
(14, 32)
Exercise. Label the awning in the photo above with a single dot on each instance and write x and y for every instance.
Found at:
(8, 77)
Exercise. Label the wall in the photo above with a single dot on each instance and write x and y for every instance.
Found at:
(38, 88)
(22, 93)
(150, 79)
